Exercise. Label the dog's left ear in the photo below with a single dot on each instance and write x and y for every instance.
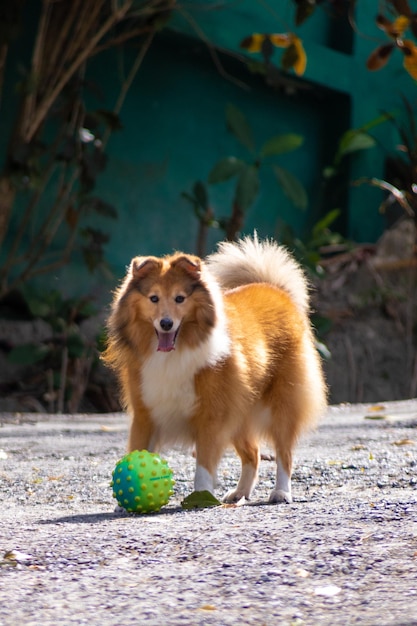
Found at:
(191, 265)
(140, 267)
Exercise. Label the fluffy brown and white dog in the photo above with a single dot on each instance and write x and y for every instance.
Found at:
(217, 353)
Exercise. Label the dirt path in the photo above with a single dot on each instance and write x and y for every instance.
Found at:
(345, 552)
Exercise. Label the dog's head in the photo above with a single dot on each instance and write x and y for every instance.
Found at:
(171, 295)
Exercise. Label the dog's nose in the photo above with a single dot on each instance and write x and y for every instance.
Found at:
(166, 323)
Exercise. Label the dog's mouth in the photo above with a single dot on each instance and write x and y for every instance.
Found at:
(166, 340)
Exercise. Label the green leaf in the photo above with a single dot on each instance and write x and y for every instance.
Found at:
(325, 222)
(187, 196)
(329, 172)
(27, 354)
(84, 307)
(200, 500)
(353, 141)
(292, 187)
(40, 304)
(200, 194)
(281, 144)
(225, 169)
(247, 187)
(321, 324)
(384, 117)
(39, 308)
(76, 345)
(305, 8)
(239, 126)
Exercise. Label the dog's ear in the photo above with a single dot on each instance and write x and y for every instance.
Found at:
(141, 266)
(191, 265)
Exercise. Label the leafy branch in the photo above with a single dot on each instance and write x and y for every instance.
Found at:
(246, 174)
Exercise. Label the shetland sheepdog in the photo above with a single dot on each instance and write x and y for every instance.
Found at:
(216, 353)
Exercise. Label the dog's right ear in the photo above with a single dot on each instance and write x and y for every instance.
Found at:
(141, 266)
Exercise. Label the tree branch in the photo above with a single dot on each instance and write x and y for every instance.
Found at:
(50, 98)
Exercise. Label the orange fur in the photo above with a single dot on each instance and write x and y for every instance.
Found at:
(218, 353)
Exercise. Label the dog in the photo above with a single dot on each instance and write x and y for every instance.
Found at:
(217, 353)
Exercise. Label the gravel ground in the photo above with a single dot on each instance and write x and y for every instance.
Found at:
(345, 552)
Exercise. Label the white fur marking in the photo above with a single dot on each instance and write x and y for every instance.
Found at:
(282, 490)
(167, 383)
(283, 482)
(252, 261)
(203, 480)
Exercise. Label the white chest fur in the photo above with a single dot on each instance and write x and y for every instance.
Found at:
(168, 388)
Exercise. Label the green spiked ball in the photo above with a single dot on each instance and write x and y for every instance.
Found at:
(142, 482)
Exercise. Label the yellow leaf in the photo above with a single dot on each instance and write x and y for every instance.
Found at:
(282, 40)
(208, 607)
(253, 43)
(404, 442)
(410, 57)
(399, 26)
(393, 29)
(301, 62)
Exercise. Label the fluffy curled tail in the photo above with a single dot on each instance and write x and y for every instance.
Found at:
(250, 260)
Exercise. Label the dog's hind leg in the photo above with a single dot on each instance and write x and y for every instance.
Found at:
(249, 455)
(287, 416)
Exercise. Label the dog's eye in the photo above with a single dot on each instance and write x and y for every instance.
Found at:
(154, 299)
(179, 299)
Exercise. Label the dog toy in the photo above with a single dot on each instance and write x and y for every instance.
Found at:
(142, 482)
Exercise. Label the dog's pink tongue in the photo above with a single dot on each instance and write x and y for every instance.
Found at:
(166, 342)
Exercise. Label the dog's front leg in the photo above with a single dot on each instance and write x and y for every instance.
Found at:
(204, 480)
(142, 434)
(208, 454)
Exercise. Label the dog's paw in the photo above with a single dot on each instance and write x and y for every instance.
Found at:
(278, 495)
(119, 510)
(233, 496)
